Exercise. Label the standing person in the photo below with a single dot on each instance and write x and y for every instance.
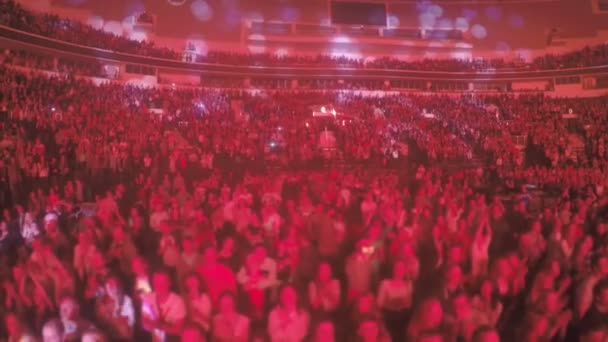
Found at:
(198, 303)
(115, 311)
(163, 311)
(288, 322)
(218, 277)
(228, 324)
(395, 300)
(480, 249)
(324, 291)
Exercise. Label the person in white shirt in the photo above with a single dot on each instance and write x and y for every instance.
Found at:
(162, 311)
(29, 229)
(115, 310)
(287, 321)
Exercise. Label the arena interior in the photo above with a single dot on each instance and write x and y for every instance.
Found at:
(304, 170)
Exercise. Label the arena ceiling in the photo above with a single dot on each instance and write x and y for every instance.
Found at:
(501, 25)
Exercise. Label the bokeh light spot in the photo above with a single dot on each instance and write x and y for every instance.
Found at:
(393, 21)
(461, 24)
(201, 10)
(427, 20)
(478, 31)
(436, 10)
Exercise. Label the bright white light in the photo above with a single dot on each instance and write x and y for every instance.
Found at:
(343, 122)
(333, 112)
(139, 36)
(461, 55)
(128, 23)
(323, 109)
(307, 125)
(256, 49)
(436, 10)
(341, 39)
(96, 22)
(393, 21)
(427, 20)
(113, 27)
(461, 24)
(256, 36)
(201, 10)
(478, 31)
(282, 52)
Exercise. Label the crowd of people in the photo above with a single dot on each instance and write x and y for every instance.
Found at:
(132, 214)
(14, 15)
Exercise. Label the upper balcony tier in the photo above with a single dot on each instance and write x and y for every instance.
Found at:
(10, 37)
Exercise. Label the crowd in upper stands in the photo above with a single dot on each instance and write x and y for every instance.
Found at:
(231, 214)
(49, 25)
(161, 214)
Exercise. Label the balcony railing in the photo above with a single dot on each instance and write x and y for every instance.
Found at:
(24, 39)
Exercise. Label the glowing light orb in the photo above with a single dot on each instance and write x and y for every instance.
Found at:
(393, 21)
(436, 10)
(461, 24)
(139, 36)
(427, 20)
(341, 39)
(201, 10)
(478, 31)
